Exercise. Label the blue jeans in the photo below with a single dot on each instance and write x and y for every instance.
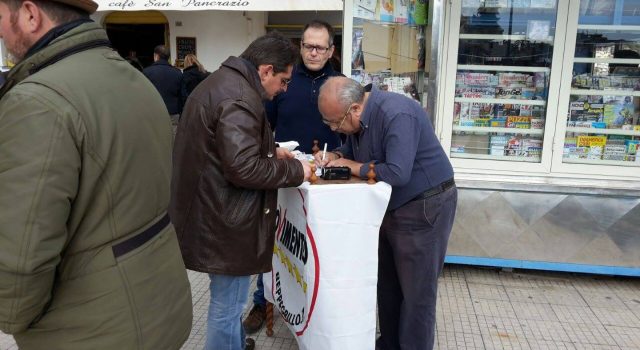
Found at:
(229, 294)
(258, 295)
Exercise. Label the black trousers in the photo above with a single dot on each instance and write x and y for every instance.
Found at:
(413, 244)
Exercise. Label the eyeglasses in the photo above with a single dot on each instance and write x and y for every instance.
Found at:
(284, 81)
(344, 117)
(319, 49)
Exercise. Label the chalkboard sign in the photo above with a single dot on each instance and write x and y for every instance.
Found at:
(185, 46)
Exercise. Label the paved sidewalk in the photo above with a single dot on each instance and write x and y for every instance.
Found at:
(491, 309)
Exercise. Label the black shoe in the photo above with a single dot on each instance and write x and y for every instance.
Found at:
(255, 319)
(249, 344)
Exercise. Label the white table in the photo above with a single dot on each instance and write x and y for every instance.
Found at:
(325, 265)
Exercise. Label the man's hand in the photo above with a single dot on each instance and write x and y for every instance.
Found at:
(283, 153)
(307, 169)
(329, 157)
(352, 164)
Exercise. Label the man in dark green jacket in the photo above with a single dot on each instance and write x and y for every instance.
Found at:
(88, 257)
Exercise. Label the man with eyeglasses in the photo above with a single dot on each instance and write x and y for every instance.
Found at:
(393, 132)
(294, 116)
(226, 173)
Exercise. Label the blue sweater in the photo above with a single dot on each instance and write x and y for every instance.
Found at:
(294, 114)
(398, 137)
(168, 81)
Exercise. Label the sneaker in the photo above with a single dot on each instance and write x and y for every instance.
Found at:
(256, 319)
(249, 344)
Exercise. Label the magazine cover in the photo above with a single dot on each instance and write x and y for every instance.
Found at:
(475, 92)
(357, 57)
(365, 9)
(513, 80)
(386, 10)
(538, 30)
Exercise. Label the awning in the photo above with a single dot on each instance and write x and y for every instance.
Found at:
(237, 5)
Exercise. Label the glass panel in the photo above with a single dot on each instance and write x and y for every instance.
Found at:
(502, 82)
(389, 45)
(610, 12)
(602, 123)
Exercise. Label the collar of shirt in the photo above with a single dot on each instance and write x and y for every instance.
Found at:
(302, 69)
(369, 109)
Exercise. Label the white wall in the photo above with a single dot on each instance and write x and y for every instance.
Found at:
(219, 34)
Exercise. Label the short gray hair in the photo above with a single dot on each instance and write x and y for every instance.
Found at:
(350, 92)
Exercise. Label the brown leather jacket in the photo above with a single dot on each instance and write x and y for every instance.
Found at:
(226, 175)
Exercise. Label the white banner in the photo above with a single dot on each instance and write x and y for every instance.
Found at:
(325, 263)
(237, 5)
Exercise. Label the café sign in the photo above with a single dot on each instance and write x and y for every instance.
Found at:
(237, 5)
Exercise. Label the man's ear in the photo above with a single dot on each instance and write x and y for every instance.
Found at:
(32, 19)
(264, 70)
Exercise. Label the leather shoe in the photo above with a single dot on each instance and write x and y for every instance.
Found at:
(249, 344)
(255, 319)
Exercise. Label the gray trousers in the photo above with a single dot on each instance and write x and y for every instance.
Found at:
(413, 244)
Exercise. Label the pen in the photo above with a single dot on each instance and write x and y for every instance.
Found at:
(324, 153)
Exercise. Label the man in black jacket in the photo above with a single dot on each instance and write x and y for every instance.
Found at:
(167, 80)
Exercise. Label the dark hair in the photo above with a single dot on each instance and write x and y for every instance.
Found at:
(58, 12)
(162, 51)
(273, 49)
(318, 24)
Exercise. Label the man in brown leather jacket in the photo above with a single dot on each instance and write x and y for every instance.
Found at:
(226, 173)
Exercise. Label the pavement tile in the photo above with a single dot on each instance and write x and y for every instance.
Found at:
(575, 314)
(531, 311)
(628, 337)
(551, 345)
(455, 341)
(634, 306)
(482, 308)
(616, 317)
(606, 299)
(551, 331)
(502, 333)
(487, 291)
(594, 334)
(457, 323)
(527, 295)
(493, 308)
(563, 296)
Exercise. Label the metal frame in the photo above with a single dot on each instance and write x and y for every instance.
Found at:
(604, 168)
(551, 165)
(542, 168)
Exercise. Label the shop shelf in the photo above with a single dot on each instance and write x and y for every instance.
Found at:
(603, 131)
(605, 92)
(492, 157)
(607, 60)
(608, 28)
(492, 37)
(601, 162)
(504, 101)
(503, 68)
(501, 130)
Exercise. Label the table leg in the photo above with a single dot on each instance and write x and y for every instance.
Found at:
(269, 319)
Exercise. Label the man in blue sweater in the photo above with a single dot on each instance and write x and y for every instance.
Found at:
(168, 81)
(393, 132)
(294, 116)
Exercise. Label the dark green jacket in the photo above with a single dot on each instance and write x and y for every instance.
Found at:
(85, 163)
